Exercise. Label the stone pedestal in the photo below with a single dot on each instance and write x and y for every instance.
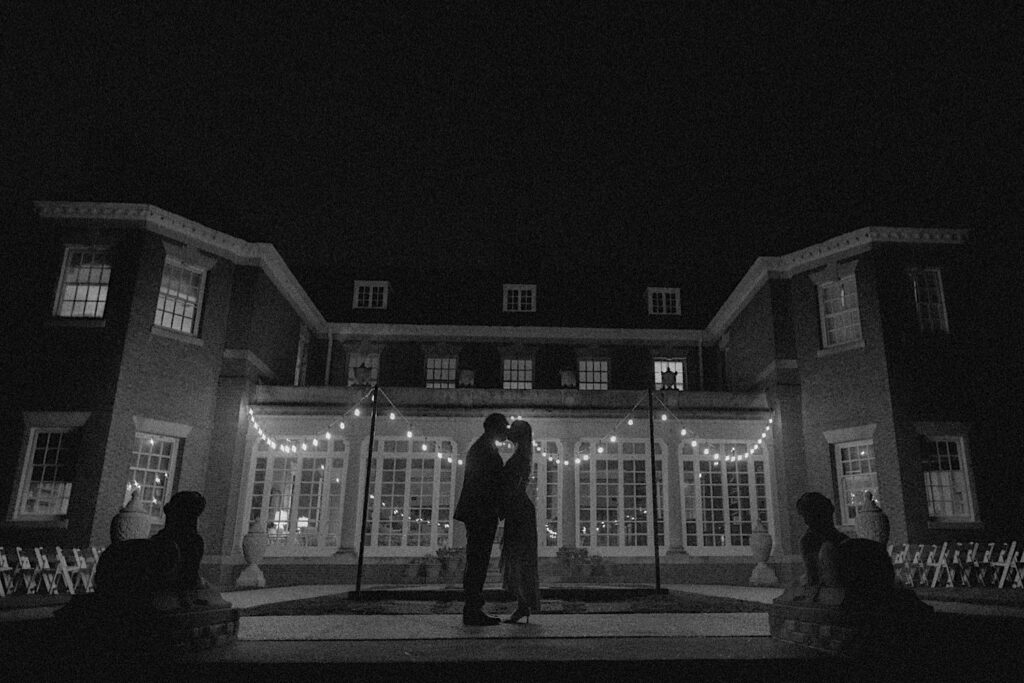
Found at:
(761, 548)
(147, 626)
(254, 545)
(132, 521)
(871, 523)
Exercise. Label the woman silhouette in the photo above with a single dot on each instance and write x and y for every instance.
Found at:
(518, 563)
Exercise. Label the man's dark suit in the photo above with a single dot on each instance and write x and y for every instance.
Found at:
(479, 510)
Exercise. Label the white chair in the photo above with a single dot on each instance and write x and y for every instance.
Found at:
(6, 575)
(936, 557)
(51, 577)
(26, 575)
(1012, 568)
(82, 573)
(66, 572)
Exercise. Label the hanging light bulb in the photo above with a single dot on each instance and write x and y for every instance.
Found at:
(391, 416)
(408, 434)
(664, 417)
(612, 439)
(304, 446)
(356, 412)
(316, 442)
(682, 432)
(327, 436)
(630, 422)
(341, 425)
(423, 447)
(460, 461)
(577, 461)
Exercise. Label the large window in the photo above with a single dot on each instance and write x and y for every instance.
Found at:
(83, 284)
(676, 366)
(48, 474)
(945, 479)
(663, 300)
(593, 374)
(856, 473)
(517, 373)
(929, 300)
(370, 294)
(179, 304)
(545, 490)
(613, 488)
(840, 312)
(298, 496)
(723, 492)
(519, 298)
(154, 459)
(356, 361)
(441, 372)
(411, 493)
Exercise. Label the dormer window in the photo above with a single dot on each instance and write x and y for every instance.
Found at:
(663, 300)
(370, 294)
(519, 299)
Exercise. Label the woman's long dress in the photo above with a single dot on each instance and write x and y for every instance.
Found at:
(518, 563)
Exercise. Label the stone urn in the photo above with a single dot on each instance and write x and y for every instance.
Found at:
(871, 523)
(761, 549)
(254, 547)
(132, 521)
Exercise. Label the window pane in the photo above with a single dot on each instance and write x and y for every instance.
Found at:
(151, 470)
(51, 472)
(517, 373)
(593, 374)
(441, 373)
(83, 291)
(181, 290)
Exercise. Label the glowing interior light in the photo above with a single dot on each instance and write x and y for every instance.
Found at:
(356, 412)
(449, 461)
(716, 456)
(439, 456)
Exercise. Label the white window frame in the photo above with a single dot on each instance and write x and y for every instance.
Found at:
(356, 358)
(586, 451)
(546, 481)
(592, 374)
(373, 289)
(677, 364)
(102, 285)
(664, 301)
(442, 524)
(154, 507)
(931, 308)
(843, 284)
(967, 492)
(63, 496)
(160, 314)
(513, 369)
(444, 374)
(748, 492)
(853, 485)
(519, 298)
(288, 536)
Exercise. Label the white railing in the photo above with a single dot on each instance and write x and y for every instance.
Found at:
(959, 564)
(47, 572)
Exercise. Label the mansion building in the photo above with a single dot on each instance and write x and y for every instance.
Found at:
(152, 353)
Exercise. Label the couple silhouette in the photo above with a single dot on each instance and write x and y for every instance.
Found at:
(492, 491)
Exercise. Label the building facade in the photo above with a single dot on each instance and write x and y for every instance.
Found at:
(154, 353)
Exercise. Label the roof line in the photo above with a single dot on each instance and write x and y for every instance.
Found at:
(234, 249)
(809, 257)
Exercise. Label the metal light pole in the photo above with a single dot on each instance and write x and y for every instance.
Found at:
(654, 492)
(366, 490)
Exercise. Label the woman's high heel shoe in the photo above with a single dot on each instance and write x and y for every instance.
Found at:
(519, 614)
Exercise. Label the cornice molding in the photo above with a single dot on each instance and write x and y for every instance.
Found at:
(503, 333)
(173, 226)
(857, 241)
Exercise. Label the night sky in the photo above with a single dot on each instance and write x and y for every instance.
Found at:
(598, 137)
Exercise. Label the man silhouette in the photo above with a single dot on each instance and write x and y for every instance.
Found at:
(479, 509)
